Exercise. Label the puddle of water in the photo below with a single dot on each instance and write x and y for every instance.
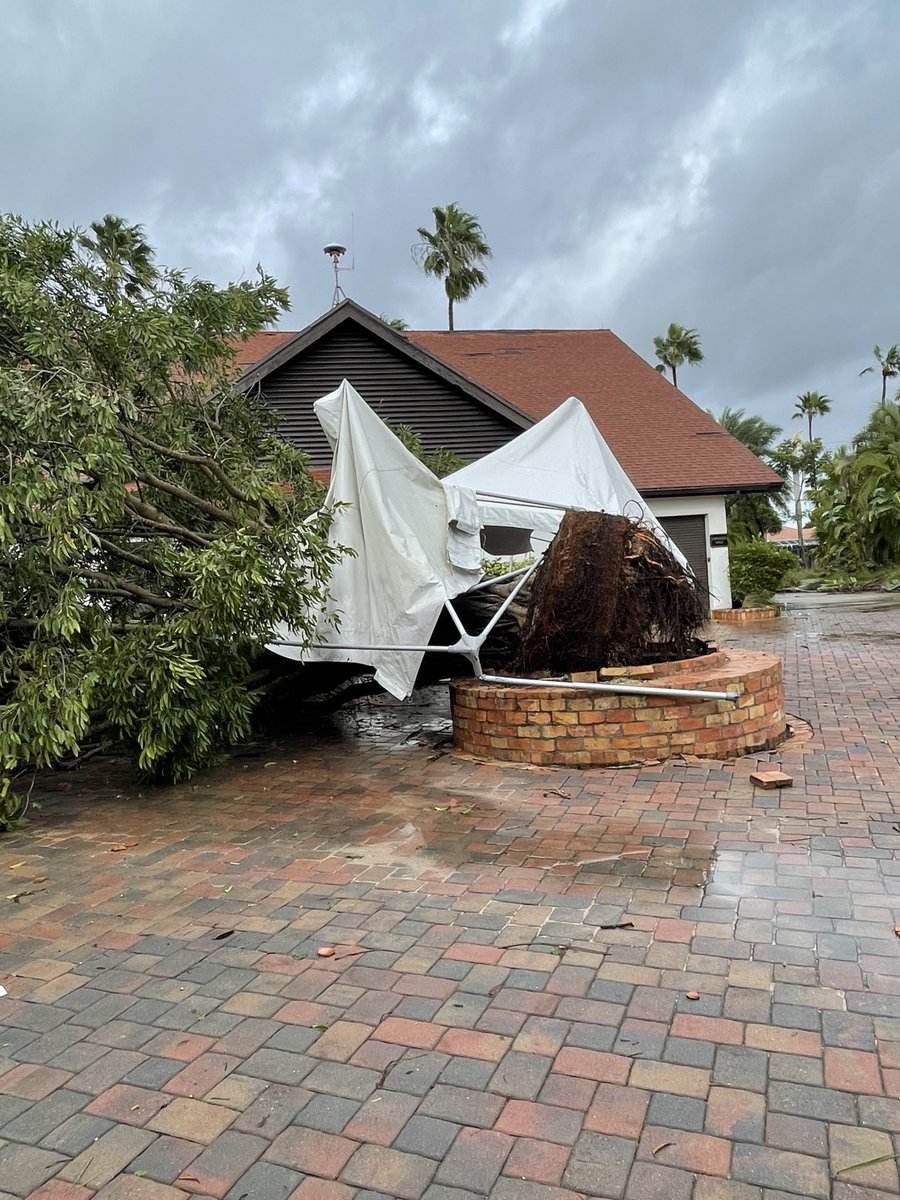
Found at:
(381, 720)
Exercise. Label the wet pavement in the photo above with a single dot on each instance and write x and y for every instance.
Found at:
(657, 982)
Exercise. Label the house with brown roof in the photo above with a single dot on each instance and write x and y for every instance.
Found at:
(472, 391)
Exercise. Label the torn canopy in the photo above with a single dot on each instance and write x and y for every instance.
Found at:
(416, 545)
(561, 462)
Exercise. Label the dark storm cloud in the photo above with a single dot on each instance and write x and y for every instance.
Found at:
(732, 167)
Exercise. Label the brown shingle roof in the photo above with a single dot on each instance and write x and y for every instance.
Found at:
(258, 345)
(665, 442)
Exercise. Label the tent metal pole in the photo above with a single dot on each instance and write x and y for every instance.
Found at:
(528, 503)
(625, 689)
(486, 583)
(332, 646)
(508, 601)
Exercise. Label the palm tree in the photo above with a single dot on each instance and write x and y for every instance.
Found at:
(752, 514)
(124, 251)
(452, 252)
(679, 346)
(810, 405)
(888, 365)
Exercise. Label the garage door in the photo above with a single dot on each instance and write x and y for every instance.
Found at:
(689, 535)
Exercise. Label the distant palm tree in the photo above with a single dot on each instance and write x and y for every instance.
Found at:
(756, 433)
(125, 252)
(679, 346)
(452, 252)
(394, 322)
(810, 405)
(888, 365)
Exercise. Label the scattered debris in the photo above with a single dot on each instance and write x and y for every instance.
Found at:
(771, 779)
(692, 995)
(870, 1162)
(117, 849)
(220, 937)
(662, 1146)
(17, 896)
(325, 951)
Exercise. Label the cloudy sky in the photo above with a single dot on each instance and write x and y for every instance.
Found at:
(730, 166)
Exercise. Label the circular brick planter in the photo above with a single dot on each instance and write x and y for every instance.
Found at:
(549, 726)
(739, 616)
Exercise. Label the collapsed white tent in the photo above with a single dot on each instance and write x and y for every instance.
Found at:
(561, 462)
(416, 545)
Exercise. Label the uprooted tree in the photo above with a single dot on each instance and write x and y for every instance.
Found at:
(153, 527)
(609, 593)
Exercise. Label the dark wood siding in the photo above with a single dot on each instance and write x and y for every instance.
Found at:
(398, 389)
(689, 535)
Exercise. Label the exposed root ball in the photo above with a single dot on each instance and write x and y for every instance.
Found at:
(608, 594)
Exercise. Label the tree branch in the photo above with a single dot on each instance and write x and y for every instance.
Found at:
(208, 464)
(161, 522)
(125, 585)
(217, 512)
(136, 559)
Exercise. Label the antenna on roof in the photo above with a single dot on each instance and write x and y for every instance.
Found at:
(336, 252)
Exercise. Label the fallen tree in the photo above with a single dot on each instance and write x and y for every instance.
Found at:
(153, 527)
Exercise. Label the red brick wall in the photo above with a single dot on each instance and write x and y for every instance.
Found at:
(554, 726)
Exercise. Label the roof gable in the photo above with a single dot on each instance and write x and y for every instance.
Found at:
(403, 384)
(285, 346)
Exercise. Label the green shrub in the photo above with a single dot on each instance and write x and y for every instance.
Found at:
(492, 568)
(758, 569)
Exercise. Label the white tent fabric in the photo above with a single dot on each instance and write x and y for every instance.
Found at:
(561, 462)
(417, 545)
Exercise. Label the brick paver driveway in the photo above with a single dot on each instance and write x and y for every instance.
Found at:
(480, 1029)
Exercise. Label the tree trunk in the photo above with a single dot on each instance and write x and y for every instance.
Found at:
(450, 314)
(798, 515)
(884, 380)
(674, 376)
(809, 418)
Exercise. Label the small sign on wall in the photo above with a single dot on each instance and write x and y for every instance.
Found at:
(718, 539)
